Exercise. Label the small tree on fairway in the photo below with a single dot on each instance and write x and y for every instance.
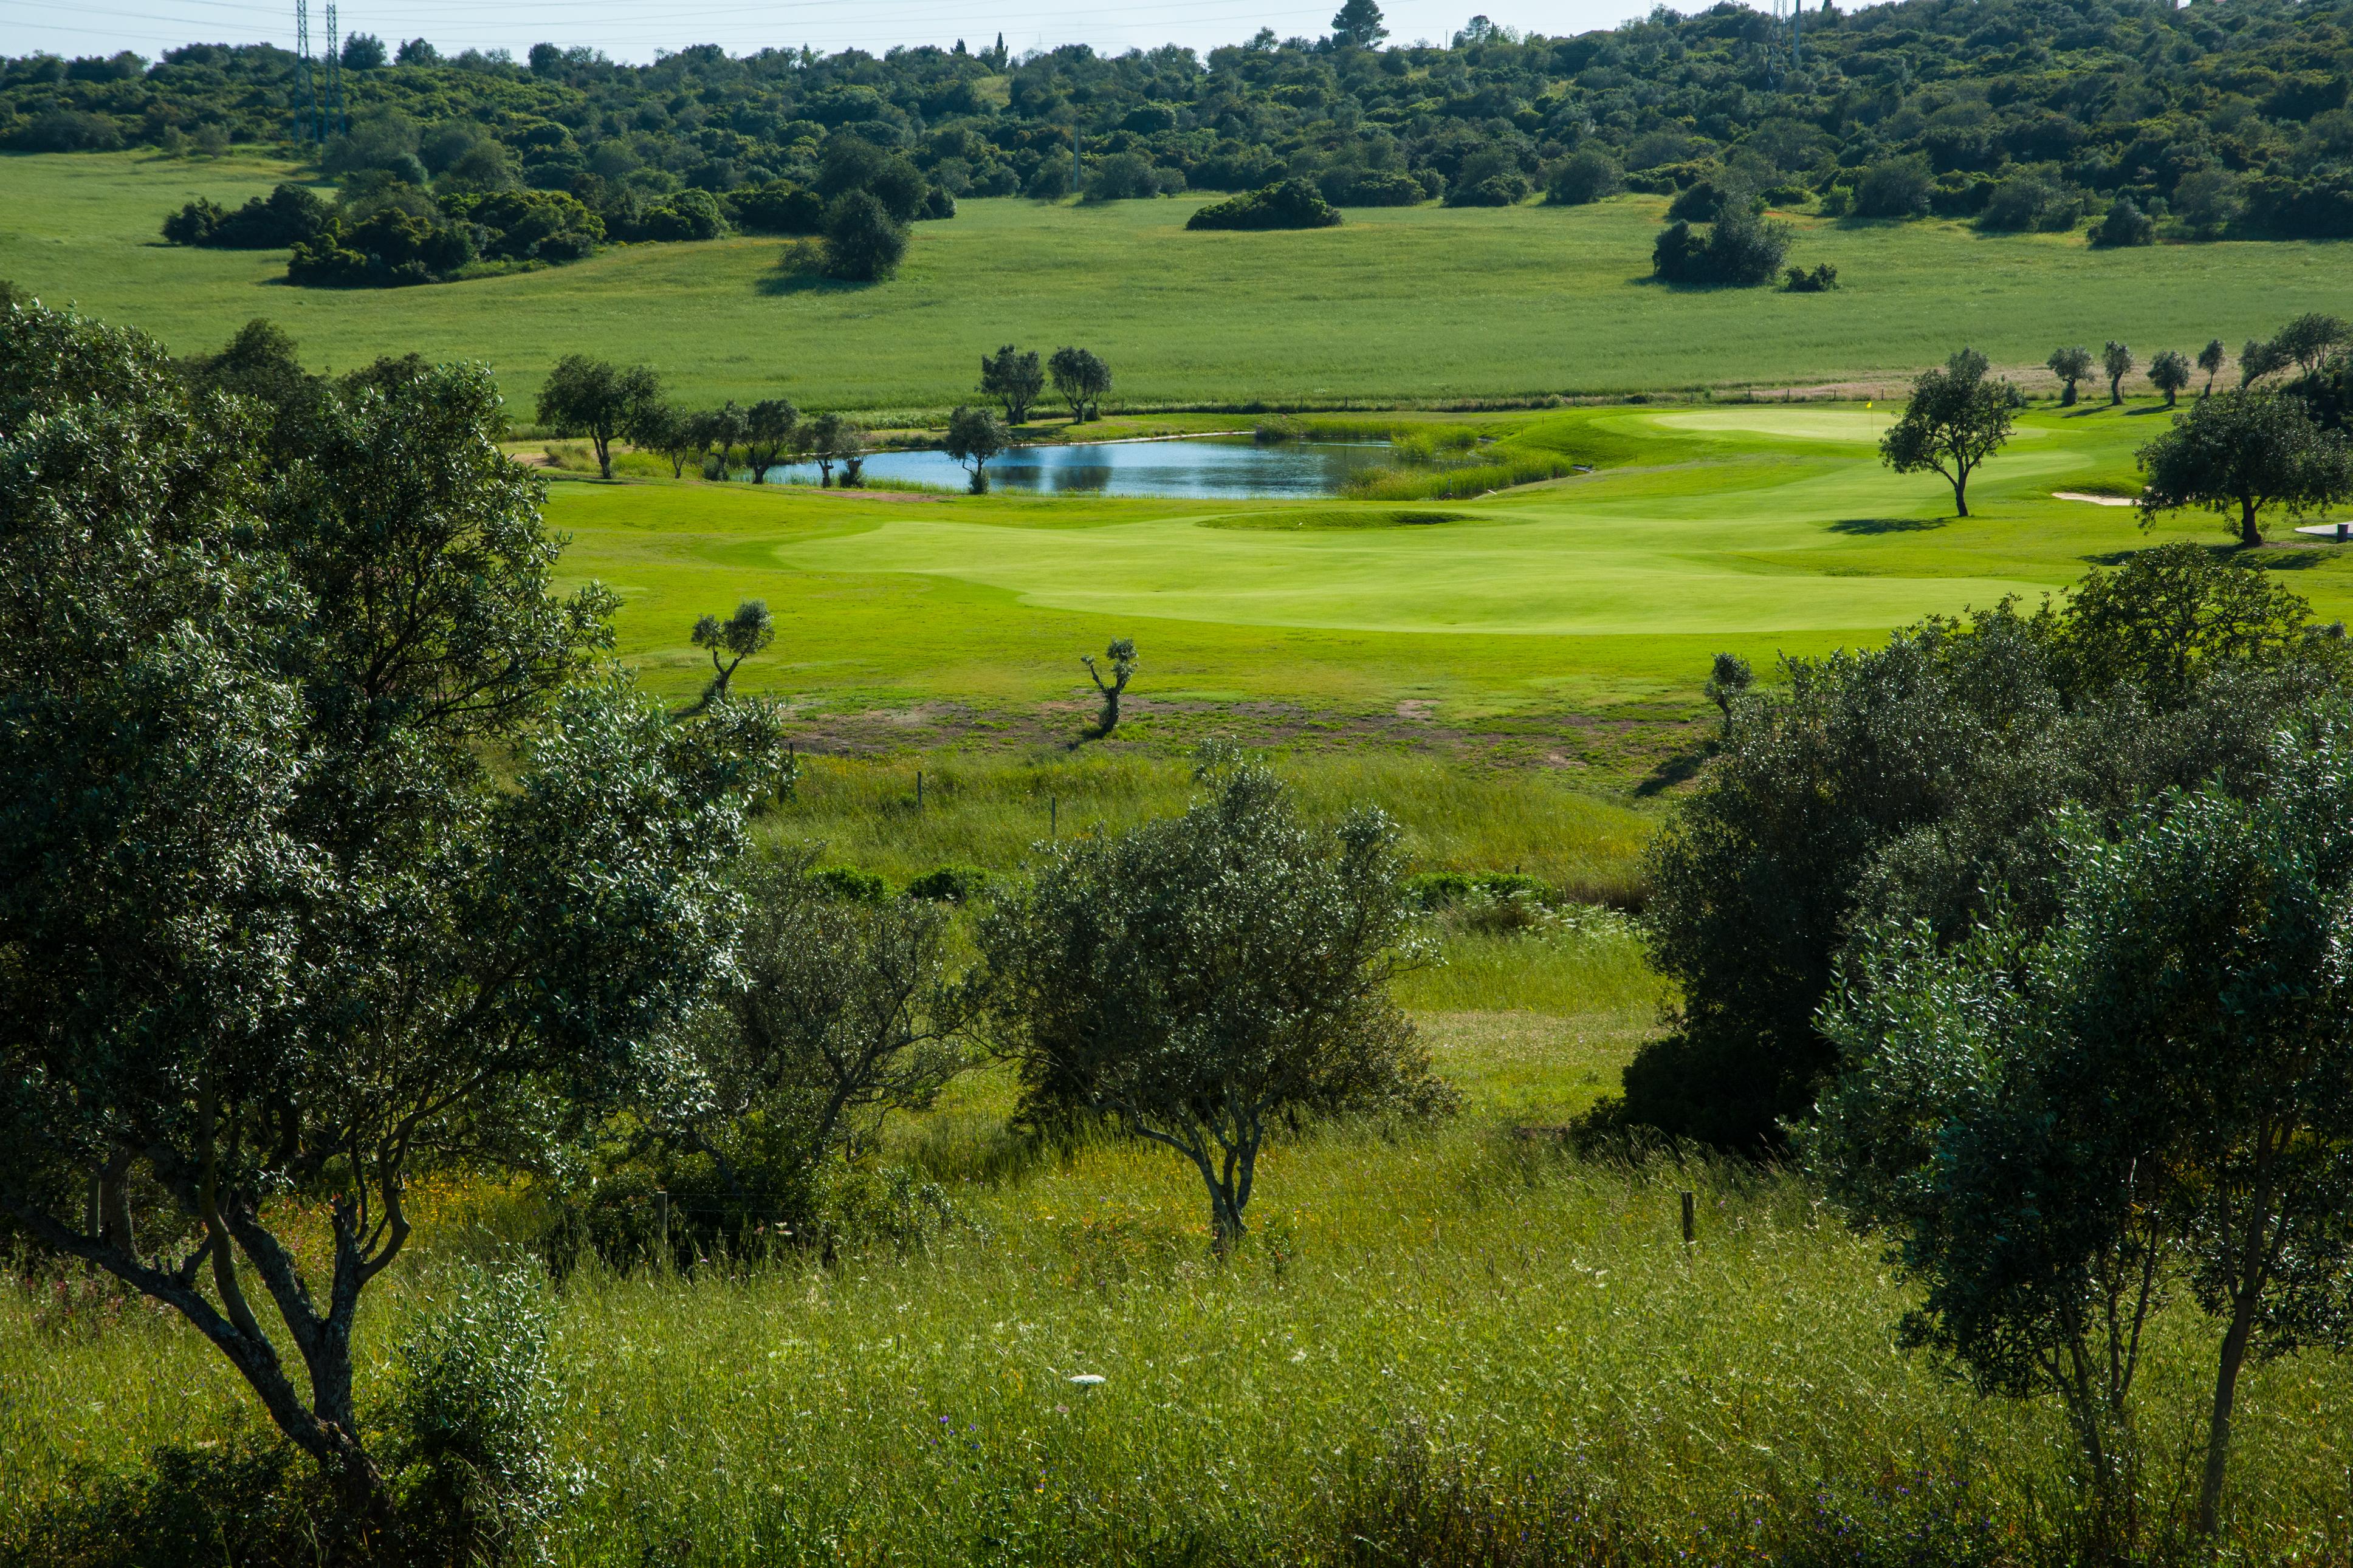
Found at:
(2170, 373)
(730, 642)
(1121, 656)
(1014, 377)
(2240, 452)
(1727, 679)
(1201, 979)
(1957, 417)
(2070, 365)
(2115, 363)
(1358, 24)
(1081, 379)
(2211, 360)
(768, 427)
(275, 928)
(583, 396)
(975, 435)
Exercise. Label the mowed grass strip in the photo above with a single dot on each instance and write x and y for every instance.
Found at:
(1403, 304)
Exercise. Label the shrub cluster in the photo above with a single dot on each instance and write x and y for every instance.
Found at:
(1288, 204)
(1739, 250)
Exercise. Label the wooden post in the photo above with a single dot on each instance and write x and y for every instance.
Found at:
(661, 1227)
(919, 789)
(1687, 1219)
(1053, 817)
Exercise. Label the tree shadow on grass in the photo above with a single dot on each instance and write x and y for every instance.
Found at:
(1673, 771)
(1888, 524)
(798, 280)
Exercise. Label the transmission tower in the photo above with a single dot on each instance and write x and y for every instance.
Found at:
(306, 97)
(335, 117)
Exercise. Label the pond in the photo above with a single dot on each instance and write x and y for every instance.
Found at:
(1208, 467)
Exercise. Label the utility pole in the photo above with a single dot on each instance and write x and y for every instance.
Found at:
(335, 118)
(306, 97)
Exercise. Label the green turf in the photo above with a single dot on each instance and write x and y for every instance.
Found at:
(1399, 304)
(1757, 527)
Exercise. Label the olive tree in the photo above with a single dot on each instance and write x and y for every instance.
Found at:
(2158, 1091)
(2115, 363)
(1956, 418)
(841, 1013)
(2308, 340)
(730, 642)
(975, 435)
(1121, 657)
(2070, 365)
(768, 427)
(2240, 452)
(1202, 979)
(1728, 678)
(2210, 358)
(2170, 373)
(272, 925)
(1082, 378)
(591, 397)
(1015, 378)
(721, 430)
(669, 430)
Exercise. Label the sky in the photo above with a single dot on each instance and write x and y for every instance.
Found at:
(636, 29)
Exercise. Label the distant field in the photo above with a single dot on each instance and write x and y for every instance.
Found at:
(1399, 304)
(1554, 624)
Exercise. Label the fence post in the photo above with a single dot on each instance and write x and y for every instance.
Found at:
(919, 789)
(1687, 1219)
(662, 1225)
(1054, 818)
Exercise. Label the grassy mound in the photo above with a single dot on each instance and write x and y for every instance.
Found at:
(1336, 516)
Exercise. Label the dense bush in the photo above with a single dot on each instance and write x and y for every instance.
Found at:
(389, 250)
(1912, 780)
(2124, 225)
(1893, 187)
(863, 243)
(689, 215)
(778, 206)
(2029, 201)
(1373, 188)
(1739, 251)
(1586, 175)
(1289, 203)
(290, 215)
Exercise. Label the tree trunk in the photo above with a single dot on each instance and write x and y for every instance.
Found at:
(2067, 395)
(1961, 496)
(1110, 719)
(2115, 391)
(2226, 1393)
(603, 455)
(2249, 534)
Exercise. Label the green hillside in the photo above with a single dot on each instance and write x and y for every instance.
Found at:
(1400, 304)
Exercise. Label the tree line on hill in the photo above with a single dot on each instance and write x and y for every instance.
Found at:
(397, 220)
(2017, 114)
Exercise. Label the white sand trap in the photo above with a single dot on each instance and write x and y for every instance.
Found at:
(2332, 532)
(2095, 500)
